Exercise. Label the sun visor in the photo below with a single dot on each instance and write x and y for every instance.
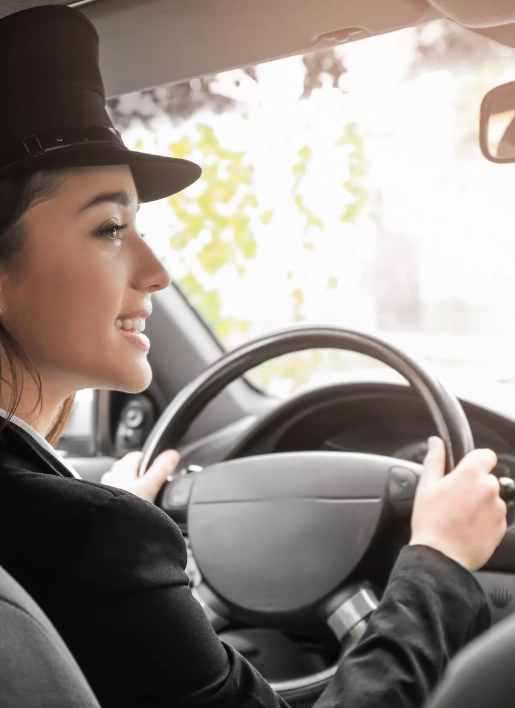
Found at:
(477, 14)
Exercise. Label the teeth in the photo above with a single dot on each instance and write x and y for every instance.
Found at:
(138, 324)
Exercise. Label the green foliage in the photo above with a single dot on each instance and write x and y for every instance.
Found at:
(227, 181)
(296, 369)
(357, 170)
(300, 168)
(218, 225)
(267, 217)
(298, 299)
(311, 219)
(352, 144)
(207, 302)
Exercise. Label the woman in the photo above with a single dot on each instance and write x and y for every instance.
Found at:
(106, 566)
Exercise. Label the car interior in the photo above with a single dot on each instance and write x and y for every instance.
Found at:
(274, 576)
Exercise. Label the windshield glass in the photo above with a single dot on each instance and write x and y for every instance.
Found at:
(347, 187)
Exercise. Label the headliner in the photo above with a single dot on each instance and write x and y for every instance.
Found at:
(145, 43)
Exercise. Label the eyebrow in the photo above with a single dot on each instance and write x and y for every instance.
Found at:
(125, 199)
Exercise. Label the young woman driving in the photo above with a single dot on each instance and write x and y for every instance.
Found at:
(105, 565)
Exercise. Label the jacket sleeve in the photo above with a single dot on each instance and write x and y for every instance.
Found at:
(122, 603)
(431, 608)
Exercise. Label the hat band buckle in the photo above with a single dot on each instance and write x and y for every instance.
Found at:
(33, 146)
(36, 145)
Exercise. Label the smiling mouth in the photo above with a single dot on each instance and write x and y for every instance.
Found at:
(136, 337)
(136, 324)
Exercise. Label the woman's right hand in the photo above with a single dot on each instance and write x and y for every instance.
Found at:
(460, 514)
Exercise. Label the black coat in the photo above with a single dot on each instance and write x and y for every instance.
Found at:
(108, 569)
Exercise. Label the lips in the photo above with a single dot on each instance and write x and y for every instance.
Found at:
(143, 312)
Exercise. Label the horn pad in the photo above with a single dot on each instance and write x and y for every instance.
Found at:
(243, 512)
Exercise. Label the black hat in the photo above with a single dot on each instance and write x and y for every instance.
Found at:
(52, 104)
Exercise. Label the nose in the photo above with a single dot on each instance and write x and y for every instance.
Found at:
(150, 267)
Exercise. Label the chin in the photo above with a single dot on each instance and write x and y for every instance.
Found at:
(128, 378)
(140, 380)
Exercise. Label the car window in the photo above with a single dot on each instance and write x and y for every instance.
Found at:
(344, 186)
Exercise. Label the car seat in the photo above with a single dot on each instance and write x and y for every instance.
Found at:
(482, 674)
(36, 668)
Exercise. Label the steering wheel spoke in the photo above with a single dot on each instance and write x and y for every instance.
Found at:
(346, 613)
(174, 497)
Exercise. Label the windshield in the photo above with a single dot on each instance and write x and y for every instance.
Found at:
(343, 187)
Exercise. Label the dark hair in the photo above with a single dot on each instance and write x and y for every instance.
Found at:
(18, 192)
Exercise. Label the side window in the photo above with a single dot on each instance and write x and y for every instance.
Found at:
(77, 438)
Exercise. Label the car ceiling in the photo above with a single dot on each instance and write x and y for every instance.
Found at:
(144, 43)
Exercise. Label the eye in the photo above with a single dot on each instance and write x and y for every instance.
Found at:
(111, 231)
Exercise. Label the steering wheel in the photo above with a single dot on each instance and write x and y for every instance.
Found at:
(291, 539)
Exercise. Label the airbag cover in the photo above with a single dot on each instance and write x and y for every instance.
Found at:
(276, 533)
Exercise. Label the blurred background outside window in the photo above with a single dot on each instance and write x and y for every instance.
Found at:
(346, 187)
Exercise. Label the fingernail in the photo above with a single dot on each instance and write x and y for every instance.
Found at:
(430, 442)
(488, 455)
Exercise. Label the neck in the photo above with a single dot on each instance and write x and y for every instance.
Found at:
(39, 417)
(55, 389)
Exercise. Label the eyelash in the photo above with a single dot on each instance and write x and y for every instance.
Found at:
(118, 228)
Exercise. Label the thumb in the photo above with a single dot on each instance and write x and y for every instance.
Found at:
(163, 465)
(434, 461)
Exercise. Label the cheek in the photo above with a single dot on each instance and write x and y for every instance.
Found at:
(66, 303)
(89, 291)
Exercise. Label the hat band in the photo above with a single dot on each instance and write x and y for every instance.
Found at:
(43, 143)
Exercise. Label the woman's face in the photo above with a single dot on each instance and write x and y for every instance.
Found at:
(75, 282)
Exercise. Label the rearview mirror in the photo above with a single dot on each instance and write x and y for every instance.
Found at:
(497, 124)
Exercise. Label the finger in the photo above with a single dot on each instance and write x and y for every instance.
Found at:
(434, 461)
(153, 480)
(502, 507)
(482, 460)
(163, 465)
(494, 483)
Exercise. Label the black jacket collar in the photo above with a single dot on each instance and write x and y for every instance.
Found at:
(18, 443)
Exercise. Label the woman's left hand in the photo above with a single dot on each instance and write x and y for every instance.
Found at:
(123, 474)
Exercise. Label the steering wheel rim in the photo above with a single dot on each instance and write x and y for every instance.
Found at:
(446, 411)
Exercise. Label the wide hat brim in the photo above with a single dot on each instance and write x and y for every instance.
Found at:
(52, 104)
(155, 176)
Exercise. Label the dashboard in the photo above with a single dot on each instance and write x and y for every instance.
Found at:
(375, 418)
